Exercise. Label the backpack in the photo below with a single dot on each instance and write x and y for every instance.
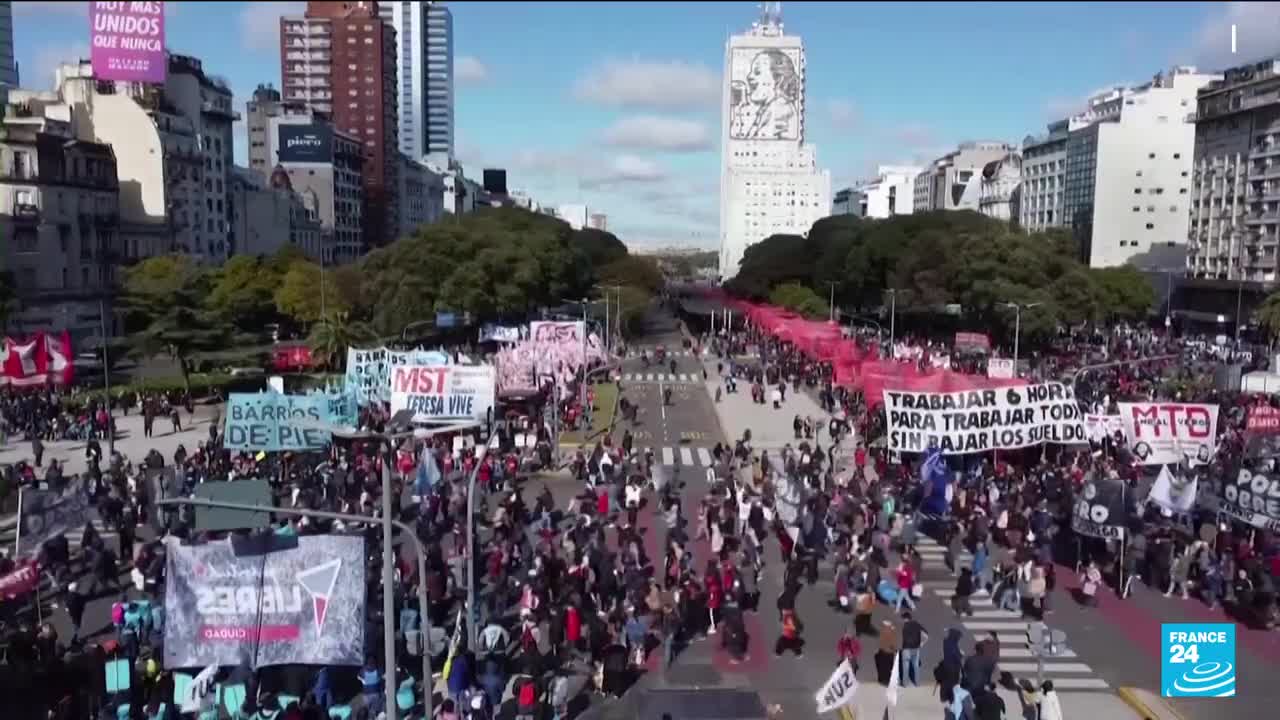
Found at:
(117, 614)
(527, 695)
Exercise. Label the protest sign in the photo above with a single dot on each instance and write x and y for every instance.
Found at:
(838, 690)
(979, 420)
(1252, 498)
(499, 333)
(1099, 427)
(274, 422)
(1100, 509)
(244, 492)
(304, 604)
(972, 341)
(1169, 433)
(1001, 368)
(24, 579)
(45, 514)
(369, 370)
(1175, 492)
(1263, 419)
(444, 392)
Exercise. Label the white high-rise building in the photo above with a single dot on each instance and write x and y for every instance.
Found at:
(890, 193)
(8, 66)
(424, 60)
(769, 179)
(1128, 172)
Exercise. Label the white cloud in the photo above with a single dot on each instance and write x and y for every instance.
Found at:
(260, 24)
(623, 170)
(914, 135)
(1257, 35)
(644, 84)
(45, 64)
(468, 70)
(843, 113)
(655, 132)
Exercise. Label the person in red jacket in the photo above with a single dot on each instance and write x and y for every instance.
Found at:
(848, 648)
(906, 577)
(573, 627)
(715, 595)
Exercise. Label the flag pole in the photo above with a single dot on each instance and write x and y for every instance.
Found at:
(17, 534)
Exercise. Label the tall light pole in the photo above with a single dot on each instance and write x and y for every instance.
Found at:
(832, 302)
(388, 529)
(893, 318)
(1239, 297)
(1017, 326)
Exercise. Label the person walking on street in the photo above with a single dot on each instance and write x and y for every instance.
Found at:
(914, 636)
(37, 447)
(790, 638)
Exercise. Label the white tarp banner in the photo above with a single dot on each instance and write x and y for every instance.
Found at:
(980, 420)
(1099, 427)
(443, 392)
(1001, 368)
(1170, 433)
(838, 690)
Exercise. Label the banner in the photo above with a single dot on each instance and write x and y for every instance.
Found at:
(1001, 368)
(444, 392)
(529, 365)
(980, 420)
(274, 422)
(1169, 433)
(369, 370)
(971, 341)
(24, 579)
(838, 690)
(499, 333)
(1100, 509)
(241, 491)
(45, 514)
(127, 41)
(1099, 427)
(1252, 498)
(301, 605)
(40, 360)
(1263, 420)
(1174, 492)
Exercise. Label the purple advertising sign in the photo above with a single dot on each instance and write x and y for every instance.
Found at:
(127, 40)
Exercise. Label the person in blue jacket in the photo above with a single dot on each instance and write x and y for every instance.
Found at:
(322, 690)
(371, 686)
(460, 677)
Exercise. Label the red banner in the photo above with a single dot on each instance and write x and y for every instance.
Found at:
(973, 341)
(1263, 419)
(41, 359)
(21, 581)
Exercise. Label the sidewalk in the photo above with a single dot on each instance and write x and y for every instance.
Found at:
(130, 442)
(770, 429)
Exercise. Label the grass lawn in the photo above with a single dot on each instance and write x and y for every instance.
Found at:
(601, 416)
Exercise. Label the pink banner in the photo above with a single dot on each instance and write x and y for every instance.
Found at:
(127, 41)
(553, 352)
(21, 581)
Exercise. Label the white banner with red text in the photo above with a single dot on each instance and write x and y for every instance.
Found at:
(443, 392)
(1170, 432)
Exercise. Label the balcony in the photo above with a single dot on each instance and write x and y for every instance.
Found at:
(1265, 152)
(1264, 172)
(1262, 218)
(209, 107)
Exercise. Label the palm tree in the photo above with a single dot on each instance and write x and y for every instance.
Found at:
(1268, 314)
(331, 336)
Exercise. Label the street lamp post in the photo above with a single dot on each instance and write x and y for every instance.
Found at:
(1017, 326)
(106, 380)
(832, 303)
(893, 318)
(1239, 297)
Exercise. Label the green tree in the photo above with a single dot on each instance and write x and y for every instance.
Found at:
(306, 293)
(163, 299)
(330, 338)
(1124, 292)
(1268, 314)
(599, 247)
(799, 299)
(242, 292)
(633, 270)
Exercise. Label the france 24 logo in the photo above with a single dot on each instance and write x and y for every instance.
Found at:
(1198, 660)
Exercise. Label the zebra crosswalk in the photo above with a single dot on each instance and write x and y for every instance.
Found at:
(682, 455)
(669, 378)
(1010, 628)
(652, 352)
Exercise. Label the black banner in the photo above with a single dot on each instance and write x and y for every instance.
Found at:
(1100, 509)
(310, 143)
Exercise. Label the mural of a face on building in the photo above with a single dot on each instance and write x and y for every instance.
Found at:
(765, 96)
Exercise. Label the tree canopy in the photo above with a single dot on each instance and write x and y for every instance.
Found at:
(497, 264)
(938, 259)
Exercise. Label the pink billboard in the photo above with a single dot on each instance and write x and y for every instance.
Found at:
(127, 40)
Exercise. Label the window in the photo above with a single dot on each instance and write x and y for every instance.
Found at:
(1184, 173)
(1173, 208)
(1136, 208)
(1158, 191)
(1151, 226)
(1151, 156)
(84, 277)
(1182, 191)
(21, 165)
(1178, 156)
(1139, 173)
(1137, 191)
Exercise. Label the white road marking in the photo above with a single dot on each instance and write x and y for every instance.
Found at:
(704, 457)
(686, 456)
(1049, 667)
(668, 457)
(997, 625)
(1023, 652)
(1079, 684)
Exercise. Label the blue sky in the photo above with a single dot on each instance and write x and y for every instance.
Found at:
(615, 103)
